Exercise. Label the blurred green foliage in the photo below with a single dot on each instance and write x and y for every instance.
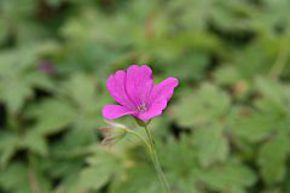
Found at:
(226, 130)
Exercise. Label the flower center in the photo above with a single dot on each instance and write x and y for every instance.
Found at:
(142, 108)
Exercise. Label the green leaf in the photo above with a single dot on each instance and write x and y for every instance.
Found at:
(276, 93)
(101, 170)
(15, 178)
(207, 105)
(81, 90)
(193, 69)
(232, 177)
(95, 177)
(272, 190)
(138, 179)
(3, 31)
(23, 77)
(52, 116)
(212, 145)
(255, 126)
(35, 142)
(185, 154)
(14, 98)
(272, 158)
(227, 75)
(9, 143)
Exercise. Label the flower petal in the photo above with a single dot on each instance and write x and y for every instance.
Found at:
(139, 83)
(111, 112)
(116, 86)
(155, 110)
(164, 89)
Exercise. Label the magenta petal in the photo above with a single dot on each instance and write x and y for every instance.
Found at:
(164, 89)
(139, 83)
(155, 110)
(111, 112)
(116, 86)
(135, 92)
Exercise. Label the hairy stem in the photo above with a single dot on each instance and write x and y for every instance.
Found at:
(138, 136)
(156, 162)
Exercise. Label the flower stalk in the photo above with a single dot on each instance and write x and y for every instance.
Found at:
(138, 136)
(156, 162)
(149, 143)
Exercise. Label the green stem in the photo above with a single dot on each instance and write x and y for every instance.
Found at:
(156, 162)
(138, 136)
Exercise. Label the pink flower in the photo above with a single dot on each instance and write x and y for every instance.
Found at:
(46, 67)
(137, 95)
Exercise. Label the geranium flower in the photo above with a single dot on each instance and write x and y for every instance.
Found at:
(46, 67)
(137, 95)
